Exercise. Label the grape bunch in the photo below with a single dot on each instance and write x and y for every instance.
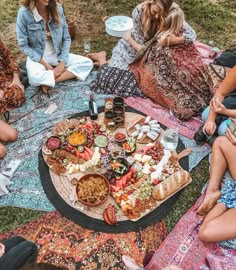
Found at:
(111, 176)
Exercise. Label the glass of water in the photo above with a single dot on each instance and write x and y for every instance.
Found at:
(170, 138)
(87, 45)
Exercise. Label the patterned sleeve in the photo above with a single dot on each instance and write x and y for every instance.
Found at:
(189, 34)
(8, 58)
(137, 31)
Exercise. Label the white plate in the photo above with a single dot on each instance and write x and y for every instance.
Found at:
(117, 25)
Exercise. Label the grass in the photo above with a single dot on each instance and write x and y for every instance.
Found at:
(213, 20)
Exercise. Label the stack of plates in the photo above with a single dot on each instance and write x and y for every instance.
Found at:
(116, 26)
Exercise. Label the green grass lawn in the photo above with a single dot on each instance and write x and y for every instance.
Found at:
(214, 21)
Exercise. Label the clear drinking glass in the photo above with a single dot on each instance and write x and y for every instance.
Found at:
(170, 138)
(87, 45)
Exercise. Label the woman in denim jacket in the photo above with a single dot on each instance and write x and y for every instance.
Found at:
(43, 36)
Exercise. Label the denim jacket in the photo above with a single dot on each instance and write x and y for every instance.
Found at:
(31, 34)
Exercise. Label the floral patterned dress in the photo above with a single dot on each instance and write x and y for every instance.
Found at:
(13, 95)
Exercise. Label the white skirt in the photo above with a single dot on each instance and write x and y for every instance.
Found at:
(78, 65)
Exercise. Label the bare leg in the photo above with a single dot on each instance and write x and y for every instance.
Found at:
(100, 58)
(7, 133)
(220, 228)
(3, 151)
(222, 157)
(66, 75)
(130, 263)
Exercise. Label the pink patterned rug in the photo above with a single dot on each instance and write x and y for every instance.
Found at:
(145, 105)
(186, 128)
(183, 248)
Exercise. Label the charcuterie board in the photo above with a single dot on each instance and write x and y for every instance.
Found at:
(147, 167)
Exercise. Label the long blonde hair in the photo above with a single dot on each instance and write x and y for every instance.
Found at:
(173, 23)
(51, 8)
(150, 24)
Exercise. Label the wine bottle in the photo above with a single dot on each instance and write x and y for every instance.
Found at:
(93, 111)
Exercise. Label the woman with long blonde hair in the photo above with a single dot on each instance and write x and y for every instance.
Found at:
(172, 26)
(42, 34)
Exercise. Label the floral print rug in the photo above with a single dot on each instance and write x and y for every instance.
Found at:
(183, 248)
(32, 124)
(63, 243)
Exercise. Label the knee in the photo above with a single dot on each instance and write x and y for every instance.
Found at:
(205, 114)
(205, 232)
(219, 141)
(3, 151)
(12, 136)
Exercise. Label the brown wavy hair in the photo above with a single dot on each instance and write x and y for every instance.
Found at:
(150, 25)
(52, 9)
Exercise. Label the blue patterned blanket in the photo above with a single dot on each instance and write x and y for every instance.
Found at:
(32, 124)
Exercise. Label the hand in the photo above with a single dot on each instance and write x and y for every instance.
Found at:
(2, 95)
(16, 81)
(217, 107)
(230, 136)
(2, 250)
(127, 36)
(59, 69)
(209, 127)
(171, 39)
(47, 66)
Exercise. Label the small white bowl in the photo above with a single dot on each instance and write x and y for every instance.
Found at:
(116, 26)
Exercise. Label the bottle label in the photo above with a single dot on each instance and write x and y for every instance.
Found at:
(95, 109)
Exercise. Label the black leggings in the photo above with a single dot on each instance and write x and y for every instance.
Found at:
(18, 252)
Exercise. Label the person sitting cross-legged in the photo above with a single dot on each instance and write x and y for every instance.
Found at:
(42, 34)
(220, 204)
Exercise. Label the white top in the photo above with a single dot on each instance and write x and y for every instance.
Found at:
(50, 55)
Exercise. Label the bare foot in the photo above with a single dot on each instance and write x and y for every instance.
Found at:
(44, 88)
(130, 263)
(184, 153)
(208, 203)
(99, 58)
